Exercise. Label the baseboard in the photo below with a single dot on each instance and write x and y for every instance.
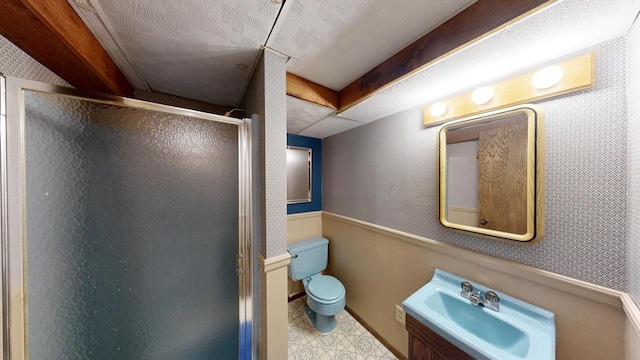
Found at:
(632, 311)
(295, 296)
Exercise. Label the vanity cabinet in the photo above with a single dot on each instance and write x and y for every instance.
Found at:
(425, 344)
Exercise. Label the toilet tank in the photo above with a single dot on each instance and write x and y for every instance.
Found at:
(308, 257)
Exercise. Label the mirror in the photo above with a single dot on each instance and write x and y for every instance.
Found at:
(298, 175)
(491, 174)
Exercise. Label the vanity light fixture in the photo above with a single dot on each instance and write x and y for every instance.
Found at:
(547, 77)
(482, 95)
(561, 78)
(438, 109)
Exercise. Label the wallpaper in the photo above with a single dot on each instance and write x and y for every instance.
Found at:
(275, 153)
(266, 98)
(16, 63)
(633, 164)
(385, 173)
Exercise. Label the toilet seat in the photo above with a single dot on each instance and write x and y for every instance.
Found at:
(325, 289)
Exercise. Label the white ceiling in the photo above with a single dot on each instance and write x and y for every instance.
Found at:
(333, 43)
(301, 114)
(182, 47)
(191, 48)
(561, 29)
(313, 120)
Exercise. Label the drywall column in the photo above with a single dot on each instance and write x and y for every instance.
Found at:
(266, 98)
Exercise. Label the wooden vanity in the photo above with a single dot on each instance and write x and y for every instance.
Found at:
(425, 344)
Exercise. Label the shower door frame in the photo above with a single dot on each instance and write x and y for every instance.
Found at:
(13, 206)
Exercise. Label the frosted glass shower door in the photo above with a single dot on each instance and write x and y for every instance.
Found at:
(130, 232)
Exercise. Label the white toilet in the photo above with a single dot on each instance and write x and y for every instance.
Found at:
(325, 294)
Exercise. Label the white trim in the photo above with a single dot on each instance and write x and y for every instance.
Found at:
(304, 215)
(632, 311)
(569, 285)
(274, 262)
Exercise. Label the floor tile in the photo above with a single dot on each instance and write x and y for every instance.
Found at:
(349, 341)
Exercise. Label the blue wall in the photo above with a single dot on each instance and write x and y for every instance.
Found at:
(316, 173)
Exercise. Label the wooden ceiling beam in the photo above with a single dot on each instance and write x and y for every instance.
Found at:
(479, 19)
(304, 89)
(52, 33)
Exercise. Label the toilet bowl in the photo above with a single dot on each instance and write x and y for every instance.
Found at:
(325, 294)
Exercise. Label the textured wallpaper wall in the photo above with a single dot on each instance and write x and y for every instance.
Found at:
(266, 97)
(385, 173)
(16, 63)
(633, 163)
(275, 152)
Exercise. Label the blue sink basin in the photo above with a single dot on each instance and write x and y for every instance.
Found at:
(518, 331)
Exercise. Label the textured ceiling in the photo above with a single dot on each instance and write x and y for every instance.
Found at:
(328, 126)
(301, 114)
(334, 42)
(561, 29)
(309, 119)
(184, 48)
(191, 48)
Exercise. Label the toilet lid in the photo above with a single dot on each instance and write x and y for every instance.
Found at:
(325, 287)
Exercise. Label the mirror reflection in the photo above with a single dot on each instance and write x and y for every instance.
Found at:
(298, 175)
(491, 174)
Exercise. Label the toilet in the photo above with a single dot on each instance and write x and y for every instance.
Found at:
(325, 294)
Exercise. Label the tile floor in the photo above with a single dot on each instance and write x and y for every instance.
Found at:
(349, 341)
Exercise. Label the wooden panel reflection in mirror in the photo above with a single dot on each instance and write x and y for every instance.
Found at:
(491, 174)
(502, 179)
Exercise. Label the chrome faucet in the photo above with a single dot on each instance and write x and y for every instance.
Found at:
(477, 299)
(489, 299)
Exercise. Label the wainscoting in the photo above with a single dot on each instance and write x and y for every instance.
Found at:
(380, 267)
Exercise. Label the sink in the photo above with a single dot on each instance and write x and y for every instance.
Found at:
(518, 331)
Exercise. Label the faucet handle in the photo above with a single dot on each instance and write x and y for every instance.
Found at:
(491, 300)
(491, 297)
(467, 288)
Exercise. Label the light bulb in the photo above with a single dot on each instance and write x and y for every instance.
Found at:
(482, 95)
(438, 109)
(547, 77)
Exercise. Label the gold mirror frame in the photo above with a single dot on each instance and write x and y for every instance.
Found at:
(534, 172)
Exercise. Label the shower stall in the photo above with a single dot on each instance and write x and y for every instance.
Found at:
(125, 227)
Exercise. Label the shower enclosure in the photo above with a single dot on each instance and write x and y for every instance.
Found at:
(126, 229)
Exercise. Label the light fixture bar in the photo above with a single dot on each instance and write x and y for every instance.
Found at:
(579, 73)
